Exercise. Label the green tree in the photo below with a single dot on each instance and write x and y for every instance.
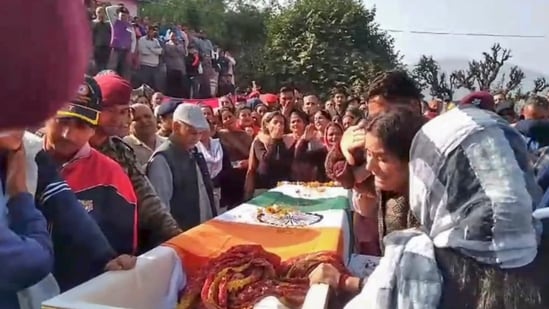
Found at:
(322, 43)
(238, 26)
(316, 44)
(207, 15)
(245, 35)
(429, 75)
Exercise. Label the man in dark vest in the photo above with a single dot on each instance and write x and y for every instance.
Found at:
(179, 172)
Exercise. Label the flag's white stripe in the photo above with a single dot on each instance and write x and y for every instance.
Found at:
(297, 191)
(247, 213)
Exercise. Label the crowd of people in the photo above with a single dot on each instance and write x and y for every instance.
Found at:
(170, 58)
(174, 165)
(454, 200)
(460, 184)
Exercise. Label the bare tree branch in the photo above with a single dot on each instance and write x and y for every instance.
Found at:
(429, 76)
(540, 84)
(516, 75)
(483, 73)
(463, 79)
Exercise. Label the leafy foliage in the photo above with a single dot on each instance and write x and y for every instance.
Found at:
(319, 44)
(313, 44)
(238, 26)
(197, 14)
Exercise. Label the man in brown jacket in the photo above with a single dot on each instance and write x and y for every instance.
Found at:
(156, 225)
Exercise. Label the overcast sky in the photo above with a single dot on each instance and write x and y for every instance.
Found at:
(526, 17)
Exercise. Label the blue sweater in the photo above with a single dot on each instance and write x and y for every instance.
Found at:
(81, 249)
(535, 131)
(26, 254)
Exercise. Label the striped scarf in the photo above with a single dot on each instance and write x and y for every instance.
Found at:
(472, 189)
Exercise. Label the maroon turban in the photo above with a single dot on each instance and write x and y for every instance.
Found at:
(480, 99)
(44, 59)
(115, 89)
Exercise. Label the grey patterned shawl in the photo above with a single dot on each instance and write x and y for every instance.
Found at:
(472, 189)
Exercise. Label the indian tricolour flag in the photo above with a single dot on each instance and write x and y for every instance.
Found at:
(321, 223)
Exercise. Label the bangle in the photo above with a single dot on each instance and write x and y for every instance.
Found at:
(342, 280)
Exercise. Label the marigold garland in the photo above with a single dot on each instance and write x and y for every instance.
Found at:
(245, 274)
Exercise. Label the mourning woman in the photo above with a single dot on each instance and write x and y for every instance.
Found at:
(271, 156)
(310, 151)
(236, 143)
(473, 191)
(383, 208)
(347, 164)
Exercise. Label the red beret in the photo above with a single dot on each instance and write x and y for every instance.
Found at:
(115, 89)
(42, 66)
(480, 99)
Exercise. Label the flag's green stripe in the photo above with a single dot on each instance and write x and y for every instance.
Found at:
(269, 198)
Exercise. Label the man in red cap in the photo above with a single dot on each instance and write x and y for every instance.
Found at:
(480, 99)
(156, 224)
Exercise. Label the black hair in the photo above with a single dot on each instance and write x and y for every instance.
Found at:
(325, 114)
(268, 117)
(339, 90)
(122, 9)
(394, 85)
(301, 114)
(261, 104)
(220, 111)
(396, 129)
(356, 113)
(242, 108)
(207, 106)
(286, 89)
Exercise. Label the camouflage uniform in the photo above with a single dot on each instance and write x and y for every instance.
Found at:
(156, 224)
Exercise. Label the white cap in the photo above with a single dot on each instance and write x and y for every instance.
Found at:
(191, 114)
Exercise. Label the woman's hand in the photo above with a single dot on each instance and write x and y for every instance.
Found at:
(122, 262)
(16, 175)
(353, 138)
(309, 133)
(325, 273)
(277, 132)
